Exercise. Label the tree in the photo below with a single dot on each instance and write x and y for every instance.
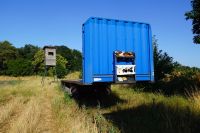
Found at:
(163, 63)
(28, 51)
(7, 52)
(194, 15)
(38, 62)
(39, 66)
(74, 57)
(19, 67)
(61, 66)
(76, 62)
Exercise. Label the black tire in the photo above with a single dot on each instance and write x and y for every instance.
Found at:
(74, 91)
(108, 90)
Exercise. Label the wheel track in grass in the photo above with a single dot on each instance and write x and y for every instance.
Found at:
(13, 113)
(46, 123)
(36, 117)
(42, 117)
(45, 120)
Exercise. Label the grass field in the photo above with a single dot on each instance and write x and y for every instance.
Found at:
(28, 107)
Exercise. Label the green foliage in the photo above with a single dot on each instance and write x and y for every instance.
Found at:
(19, 67)
(171, 77)
(38, 62)
(183, 80)
(163, 63)
(186, 70)
(61, 60)
(39, 66)
(194, 15)
(67, 60)
(61, 71)
(61, 66)
(7, 52)
(28, 51)
(76, 63)
(74, 57)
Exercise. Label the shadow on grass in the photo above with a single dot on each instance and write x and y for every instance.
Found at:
(155, 118)
(92, 98)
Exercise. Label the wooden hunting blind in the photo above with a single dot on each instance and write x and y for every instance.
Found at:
(50, 55)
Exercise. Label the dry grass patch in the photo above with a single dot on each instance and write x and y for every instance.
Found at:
(49, 109)
(73, 76)
(28, 120)
(69, 117)
(9, 108)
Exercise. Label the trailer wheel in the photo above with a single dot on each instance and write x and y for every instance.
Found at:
(67, 89)
(74, 91)
(108, 90)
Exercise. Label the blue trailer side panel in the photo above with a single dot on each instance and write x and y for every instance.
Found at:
(101, 37)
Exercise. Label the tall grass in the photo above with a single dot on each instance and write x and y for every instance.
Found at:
(73, 76)
(69, 116)
(27, 106)
(8, 109)
(154, 112)
(194, 98)
(28, 120)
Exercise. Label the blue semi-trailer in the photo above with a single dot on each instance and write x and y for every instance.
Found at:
(114, 51)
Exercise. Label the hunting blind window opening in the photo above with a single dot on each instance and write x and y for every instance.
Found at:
(50, 53)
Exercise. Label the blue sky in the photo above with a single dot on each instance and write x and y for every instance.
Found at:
(58, 22)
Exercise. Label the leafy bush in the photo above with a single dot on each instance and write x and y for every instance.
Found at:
(61, 66)
(28, 51)
(171, 77)
(7, 52)
(19, 67)
(181, 81)
(39, 66)
(61, 71)
(38, 62)
(74, 58)
(163, 63)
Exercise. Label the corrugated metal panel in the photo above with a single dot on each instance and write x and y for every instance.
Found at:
(101, 37)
